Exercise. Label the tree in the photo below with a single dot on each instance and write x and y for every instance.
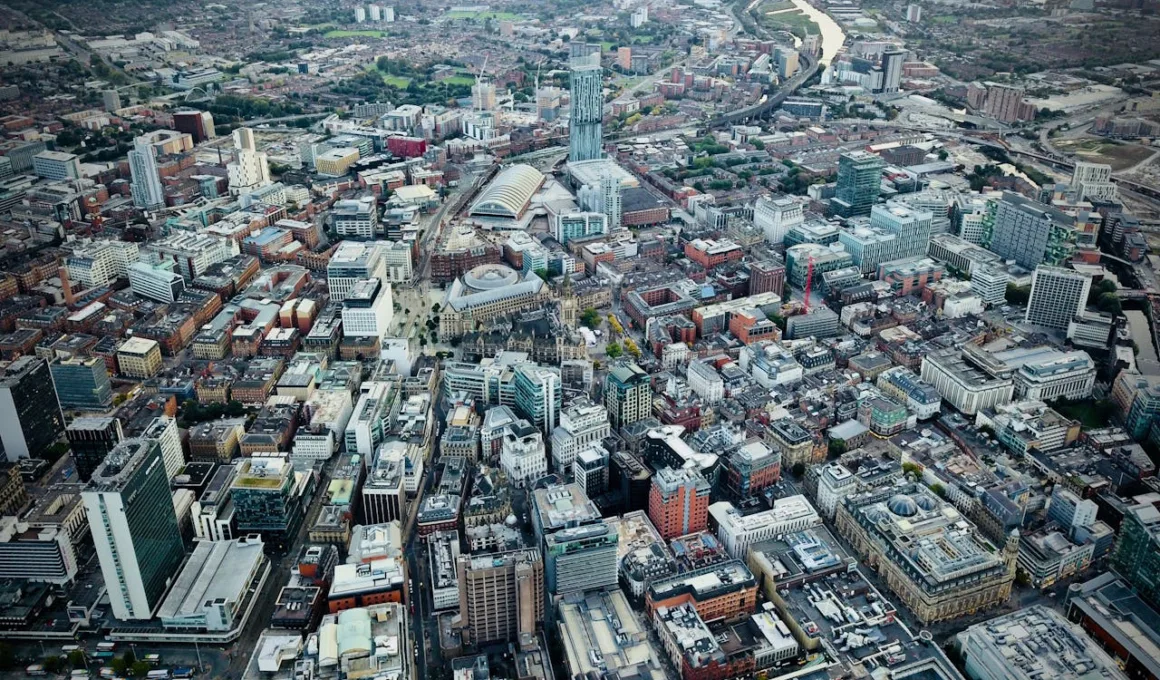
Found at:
(939, 490)
(141, 669)
(1109, 303)
(542, 273)
(76, 659)
(798, 469)
(119, 666)
(911, 468)
(1018, 295)
(1099, 289)
(943, 155)
(613, 350)
(590, 318)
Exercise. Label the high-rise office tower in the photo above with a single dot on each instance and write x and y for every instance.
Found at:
(1031, 233)
(1137, 553)
(627, 394)
(538, 396)
(678, 502)
(590, 470)
(579, 559)
(82, 383)
(910, 226)
(134, 526)
(859, 183)
(267, 498)
(148, 193)
(584, 128)
(367, 309)
(91, 440)
(1057, 296)
(249, 171)
(501, 596)
(30, 417)
(775, 215)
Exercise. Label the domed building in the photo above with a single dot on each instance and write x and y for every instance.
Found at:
(487, 292)
(931, 556)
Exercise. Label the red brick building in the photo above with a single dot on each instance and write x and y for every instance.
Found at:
(407, 147)
(709, 253)
(766, 277)
(678, 502)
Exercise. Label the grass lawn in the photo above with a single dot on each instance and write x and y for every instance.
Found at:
(351, 34)
(459, 80)
(480, 16)
(606, 45)
(775, 6)
(1117, 155)
(794, 22)
(397, 81)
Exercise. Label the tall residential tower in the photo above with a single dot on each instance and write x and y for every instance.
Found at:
(584, 129)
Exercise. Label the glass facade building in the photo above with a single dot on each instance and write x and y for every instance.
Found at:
(134, 527)
(859, 183)
(82, 383)
(585, 127)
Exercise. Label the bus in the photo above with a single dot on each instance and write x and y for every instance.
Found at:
(160, 674)
(106, 646)
(183, 672)
(35, 670)
(153, 660)
(104, 656)
(69, 649)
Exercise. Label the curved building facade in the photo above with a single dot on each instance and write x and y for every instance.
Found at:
(509, 194)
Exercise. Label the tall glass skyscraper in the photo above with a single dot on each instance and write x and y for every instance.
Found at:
(146, 187)
(82, 383)
(538, 395)
(134, 526)
(859, 183)
(30, 417)
(584, 129)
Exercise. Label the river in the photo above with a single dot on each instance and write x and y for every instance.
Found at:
(832, 34)
(1146, 360)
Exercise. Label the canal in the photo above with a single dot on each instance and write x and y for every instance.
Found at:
(1146, 360)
